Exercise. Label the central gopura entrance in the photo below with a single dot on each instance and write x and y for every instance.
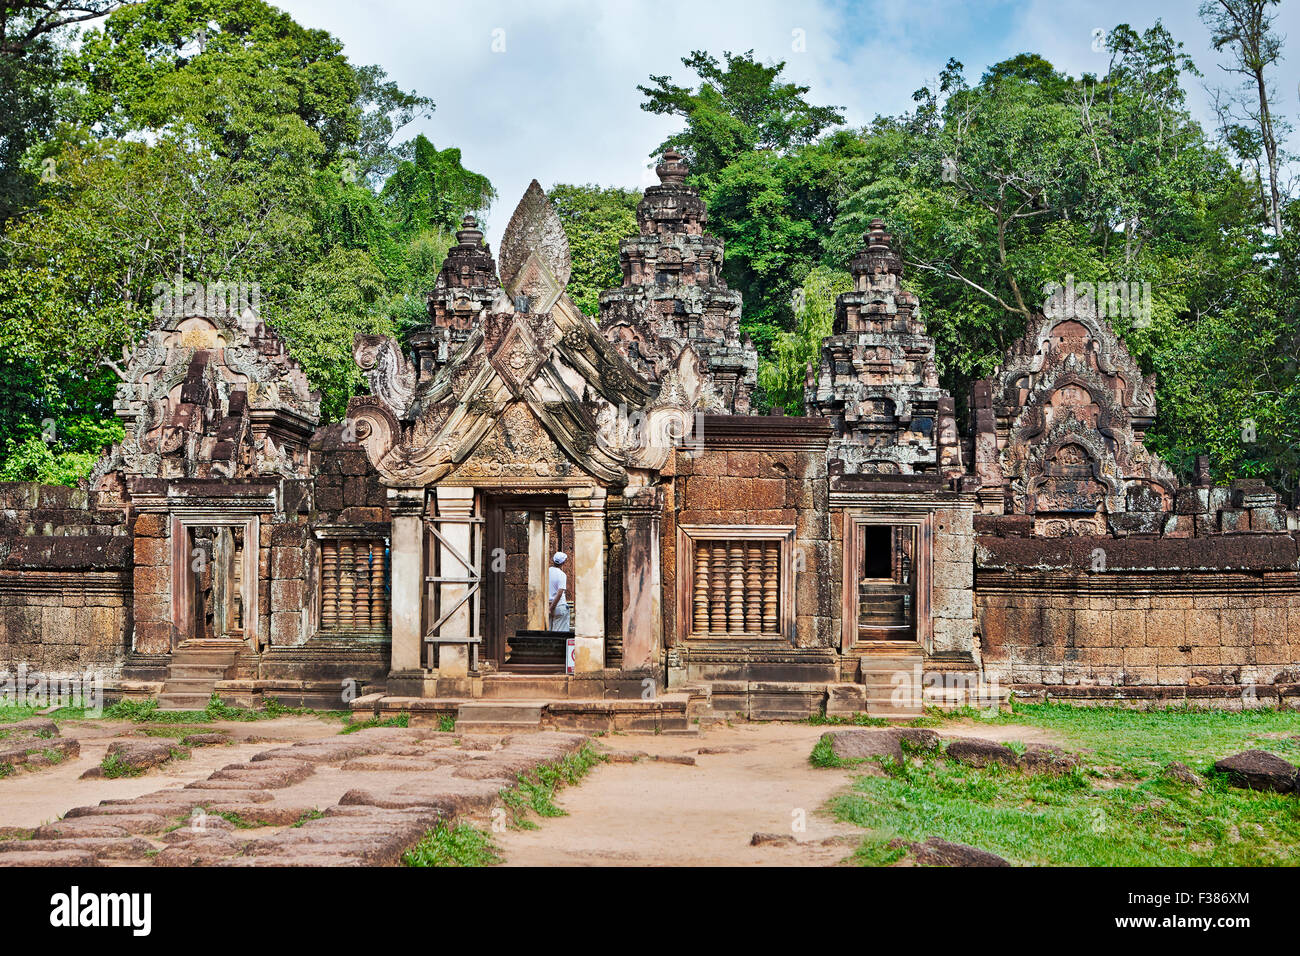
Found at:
(469, 580)
(522, 534)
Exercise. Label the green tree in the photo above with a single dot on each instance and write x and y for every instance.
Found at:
(432, 190)
(738, 107)
(595, 220)
(209, 140)
(784, 375)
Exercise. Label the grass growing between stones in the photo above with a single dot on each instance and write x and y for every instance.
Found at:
(836, 720)
(114, 766)
(1116, 808)
(465, 845)
(146, 711)
(462, 845)
(536, 791)
(401, 720)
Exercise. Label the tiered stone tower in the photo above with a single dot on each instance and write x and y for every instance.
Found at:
(674, 296)
(878, 379)
(465, 290)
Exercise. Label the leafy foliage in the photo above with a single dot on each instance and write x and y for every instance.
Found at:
(595, 219)
(204, 140)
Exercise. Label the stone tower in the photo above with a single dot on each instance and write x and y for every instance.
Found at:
(673, 295)
(878, 380)
(465, 290)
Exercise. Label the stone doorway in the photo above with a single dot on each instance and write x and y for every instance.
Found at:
(886, 582)
(215, 580)
(522, 533)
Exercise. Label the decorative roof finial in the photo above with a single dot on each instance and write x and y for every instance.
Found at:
(469, 235)
(672, 170)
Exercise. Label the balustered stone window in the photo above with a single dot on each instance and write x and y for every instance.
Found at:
(354, 585)
(736, 582)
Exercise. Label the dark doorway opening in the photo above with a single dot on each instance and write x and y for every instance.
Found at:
(523, 533)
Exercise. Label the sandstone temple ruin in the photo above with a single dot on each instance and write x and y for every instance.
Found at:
(873, 555)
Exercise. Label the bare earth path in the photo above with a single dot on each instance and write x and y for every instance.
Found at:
(656, 813)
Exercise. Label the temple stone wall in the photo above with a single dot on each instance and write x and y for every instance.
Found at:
(1171, 612)
(65, 582)
(755, 471)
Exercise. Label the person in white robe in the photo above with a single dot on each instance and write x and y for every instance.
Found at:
(558, 593)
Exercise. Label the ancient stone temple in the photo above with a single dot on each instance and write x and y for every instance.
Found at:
(865, 557)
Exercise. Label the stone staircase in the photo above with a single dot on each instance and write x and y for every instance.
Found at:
(499, 716)
(192, 675)
(893, 685)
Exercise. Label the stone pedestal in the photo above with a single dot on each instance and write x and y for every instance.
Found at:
(642, 579)
(587, 579)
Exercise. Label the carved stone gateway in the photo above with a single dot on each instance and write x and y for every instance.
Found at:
(1059, 433)
(522, 396)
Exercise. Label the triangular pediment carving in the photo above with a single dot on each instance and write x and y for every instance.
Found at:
(584, 412)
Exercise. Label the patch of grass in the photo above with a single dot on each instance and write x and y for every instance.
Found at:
(836, 720)
(401, 720)
(136, 711)
(308, 816)
(11, 713)
(114, 766)
(239, 822)
(823, 754)
(5, 770)
(446, 724)
(146, 711)
(1115, 809)
(53, 756)
(171, 730)
(463, 845)
(271, 709)
(536, 791)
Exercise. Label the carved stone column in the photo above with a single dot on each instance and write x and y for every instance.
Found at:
(407, 507)
(588, 577)
(457, 506)
(642, 579)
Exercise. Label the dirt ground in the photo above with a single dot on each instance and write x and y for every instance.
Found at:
(752, 778)
(656, 809)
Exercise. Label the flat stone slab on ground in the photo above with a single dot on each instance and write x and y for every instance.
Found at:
(1260, 770)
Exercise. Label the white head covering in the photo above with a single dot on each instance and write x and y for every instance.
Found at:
(560, 558)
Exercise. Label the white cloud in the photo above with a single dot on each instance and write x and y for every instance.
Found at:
(560, 103)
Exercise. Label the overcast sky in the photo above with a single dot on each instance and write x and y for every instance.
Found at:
(546, 89)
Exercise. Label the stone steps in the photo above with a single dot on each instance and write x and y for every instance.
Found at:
(496, 717)
(892, 685)
(525, 686)
(194, 671)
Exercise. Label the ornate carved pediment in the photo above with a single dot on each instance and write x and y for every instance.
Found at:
(578, 406)
(1066, 414)
(211, 397)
